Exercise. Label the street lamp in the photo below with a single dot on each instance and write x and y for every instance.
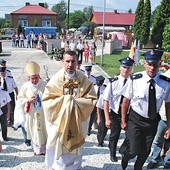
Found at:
(68, 15)
(104, 8)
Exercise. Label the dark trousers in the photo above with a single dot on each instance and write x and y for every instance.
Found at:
(92, 118)
(102, 129)
(140, 133)
(114, 133)
(12, 107)
(80, 55)
(3, 121)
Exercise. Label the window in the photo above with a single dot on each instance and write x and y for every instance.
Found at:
(23, 23)
(46, 23)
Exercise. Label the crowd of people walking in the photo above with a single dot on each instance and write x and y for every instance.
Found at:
(56, 116)
(85, 52)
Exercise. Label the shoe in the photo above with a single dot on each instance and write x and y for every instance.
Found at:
(113, 158)
(166, 166)
(88, 133)
(124, 162)
(152, 165)
(5, 139)
(100, 145)
(28, 144)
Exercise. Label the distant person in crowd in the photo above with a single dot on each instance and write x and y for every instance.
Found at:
(102, 129)
(68, 100)
(4, 108)
(30, 100)
(45, 36)
(28, 37)
(33, 38)
(62, 46)
(80, 49)
(9, 85)
(13, 40)
(72, 45)
(66, 46)
(143, 97)
(160, 143)
(112, 104)
(41, 41)
(21, 38)
(36, 41)
(86, 52)
(93, 50)
(17, 40)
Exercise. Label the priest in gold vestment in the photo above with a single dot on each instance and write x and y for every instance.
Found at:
(68, 100)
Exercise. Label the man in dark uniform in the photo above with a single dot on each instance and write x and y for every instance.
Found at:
(143, 97)
(112, 103)
(8, 84)
(88, 70)
(4, 108)
(102, 129)
(3, 64)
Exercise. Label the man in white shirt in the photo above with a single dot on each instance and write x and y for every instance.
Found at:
(144, 96)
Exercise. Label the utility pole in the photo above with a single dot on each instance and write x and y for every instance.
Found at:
(68, 15)
(104, 8)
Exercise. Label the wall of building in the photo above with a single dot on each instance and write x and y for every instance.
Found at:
(32, 18)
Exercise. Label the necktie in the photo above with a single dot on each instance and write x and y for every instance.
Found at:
(5, 85)
(121, 100)
(98, 92)
(152, 100)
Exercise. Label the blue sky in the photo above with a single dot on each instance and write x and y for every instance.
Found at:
(8, 6)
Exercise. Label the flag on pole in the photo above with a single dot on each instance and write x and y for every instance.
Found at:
(132, 50)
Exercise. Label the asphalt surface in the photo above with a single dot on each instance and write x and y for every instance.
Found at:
(15, 154)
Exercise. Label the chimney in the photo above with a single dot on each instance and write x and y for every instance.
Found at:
(41, 4)
(27, 3)
(115, 11)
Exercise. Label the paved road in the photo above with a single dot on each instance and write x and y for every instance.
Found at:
(17, 156)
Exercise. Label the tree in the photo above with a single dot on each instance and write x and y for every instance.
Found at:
(153, 14)
(19, 29)
(130, 11)
(77, 18)
(88, 11)
(5, 23)
(61, 10)
(146, 22)
(35, 23)
(91, 26)
(166, 36)
(46, 5)
(159, 22)
(138, 20)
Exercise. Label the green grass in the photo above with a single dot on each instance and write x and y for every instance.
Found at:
(111, 62)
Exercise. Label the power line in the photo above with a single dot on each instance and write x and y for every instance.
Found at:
(71, 4)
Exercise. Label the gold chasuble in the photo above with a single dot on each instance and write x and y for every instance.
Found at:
(67, 104)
